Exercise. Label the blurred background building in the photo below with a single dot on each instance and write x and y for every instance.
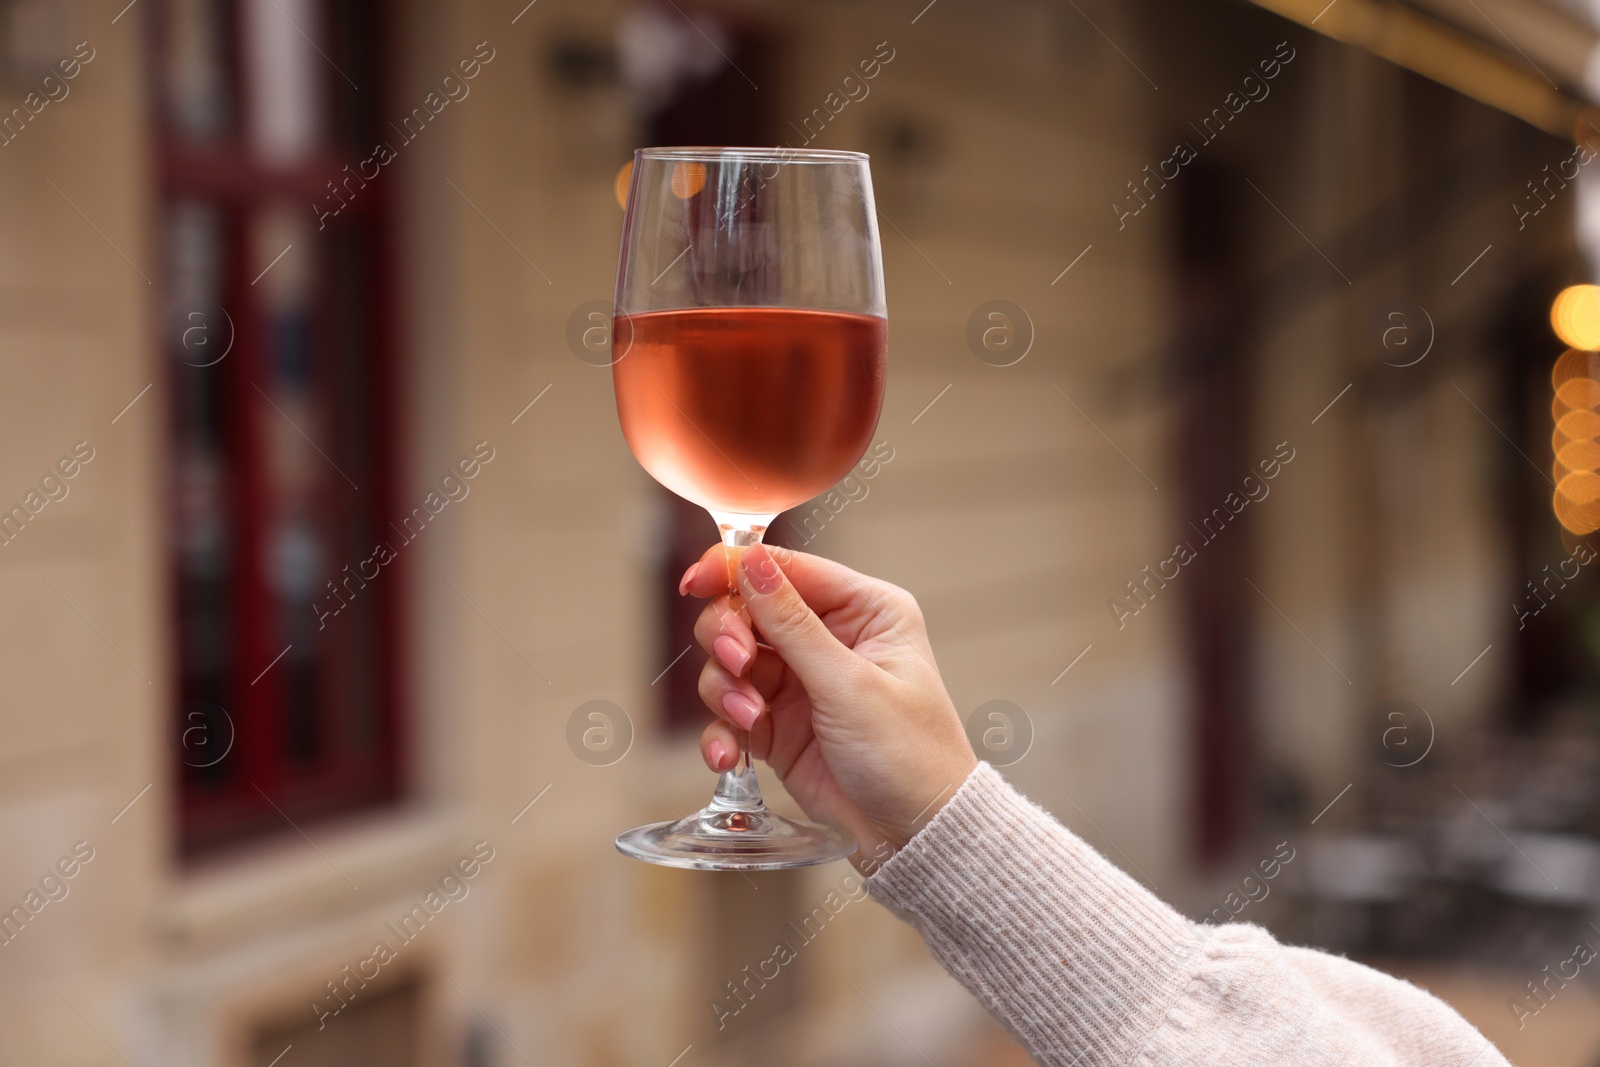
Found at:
(336, 613)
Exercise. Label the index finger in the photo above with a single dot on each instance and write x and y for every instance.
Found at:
(821, 583)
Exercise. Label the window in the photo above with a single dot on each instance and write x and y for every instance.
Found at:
(281, 376)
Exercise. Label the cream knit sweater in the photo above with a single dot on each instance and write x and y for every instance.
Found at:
(1088, 969)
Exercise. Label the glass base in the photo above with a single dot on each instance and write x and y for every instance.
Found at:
(735, 841)
(736, 832)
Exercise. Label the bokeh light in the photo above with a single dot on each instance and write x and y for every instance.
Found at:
(1577, 456)
(688, 179)
(1575, 316)
(1577, 502)
(1580, 425)
(624, 178)
(1576, 441)
(1579, 392)
(1575, 363)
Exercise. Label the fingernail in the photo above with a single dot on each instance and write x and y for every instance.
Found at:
(688, 576)
(741, 709)
(731, 654)
(716, 750)
(761, 569)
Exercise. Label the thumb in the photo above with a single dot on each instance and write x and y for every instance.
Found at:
(787, 622)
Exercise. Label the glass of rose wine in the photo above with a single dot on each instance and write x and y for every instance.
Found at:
(749, 358)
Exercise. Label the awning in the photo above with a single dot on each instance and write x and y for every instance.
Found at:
(1535, 59)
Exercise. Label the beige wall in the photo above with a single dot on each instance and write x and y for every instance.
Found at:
(84, 705)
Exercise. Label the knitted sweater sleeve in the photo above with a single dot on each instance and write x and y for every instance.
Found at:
(1088, 969)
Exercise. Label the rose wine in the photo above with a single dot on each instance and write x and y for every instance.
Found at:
(749, 410)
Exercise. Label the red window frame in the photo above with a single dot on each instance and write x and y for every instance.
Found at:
(258, 784)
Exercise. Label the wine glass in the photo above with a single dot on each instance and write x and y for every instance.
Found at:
(749, 362)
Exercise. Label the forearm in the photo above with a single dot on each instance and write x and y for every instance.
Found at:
(1087, 967)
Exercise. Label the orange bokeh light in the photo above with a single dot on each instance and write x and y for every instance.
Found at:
(1577, 502)
(1576, 379)
(1579, 393)
(688, 179)
(1577, 456)
(1578, 425)
(1575, 316)
(624, 177)
(1575, 363)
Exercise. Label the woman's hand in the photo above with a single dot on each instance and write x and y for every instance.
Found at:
(841, 697)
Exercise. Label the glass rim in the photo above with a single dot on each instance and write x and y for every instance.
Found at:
(716, 153)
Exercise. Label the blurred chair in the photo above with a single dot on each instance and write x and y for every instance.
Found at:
(1521, 894)
(1352, 882)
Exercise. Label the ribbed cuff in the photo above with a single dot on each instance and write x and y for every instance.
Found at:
(1076, 958)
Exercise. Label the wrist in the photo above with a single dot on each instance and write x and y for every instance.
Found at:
(873, 850)
(937, 788)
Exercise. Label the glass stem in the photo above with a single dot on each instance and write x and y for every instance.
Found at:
(741, 531)
(737, 789)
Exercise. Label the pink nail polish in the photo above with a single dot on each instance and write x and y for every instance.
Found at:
(688, 576)
(731, 654)
(741, 709)
(716, 750)
(762, 569)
